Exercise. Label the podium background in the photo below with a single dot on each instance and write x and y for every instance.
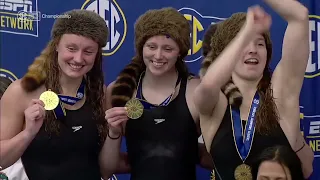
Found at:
(21, 43)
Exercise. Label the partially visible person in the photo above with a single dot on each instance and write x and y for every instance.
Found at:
(15, 171)
(53, 118)
(206, 41)
(4, 84)
(277, 163)
(265, 110)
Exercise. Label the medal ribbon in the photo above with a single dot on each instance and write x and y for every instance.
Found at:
(243, 144)
(60, 111)
(148, 105)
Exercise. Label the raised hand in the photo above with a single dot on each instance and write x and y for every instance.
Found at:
(34, 116)
(115, 117)
(257, 21)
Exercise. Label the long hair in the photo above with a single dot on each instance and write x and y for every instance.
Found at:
(47, 62)
(127, 80)
(267, 114)
(282, 155)
(165, 21)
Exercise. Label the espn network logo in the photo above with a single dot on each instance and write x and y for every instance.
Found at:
(16, 5)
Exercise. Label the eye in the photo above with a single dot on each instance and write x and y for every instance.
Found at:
(168, 49)
(88, 52)
(152, 47)
(71, 49)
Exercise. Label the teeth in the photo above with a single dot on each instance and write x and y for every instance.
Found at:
(252, 61)
(75, 66)
(158, 63)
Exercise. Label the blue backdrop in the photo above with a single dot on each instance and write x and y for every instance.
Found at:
(21, 42)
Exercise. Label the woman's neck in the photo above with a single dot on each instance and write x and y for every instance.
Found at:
(247, 88)
(160, 82)
(157, 88)
(70, 85)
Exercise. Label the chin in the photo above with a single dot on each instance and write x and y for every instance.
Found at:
(74, 75)
(252, 77)
(158, 71)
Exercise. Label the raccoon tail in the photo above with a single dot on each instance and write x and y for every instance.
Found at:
(36, 74)
(233, 94)
(126, 83)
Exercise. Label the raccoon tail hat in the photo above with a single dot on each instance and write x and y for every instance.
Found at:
(126, 83)
(223, 35)
(166, 21)
(36, 74)
(230, 89)
(81, 22)
(206, 41)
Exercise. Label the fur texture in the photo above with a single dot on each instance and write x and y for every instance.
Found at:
(82, 22)
(225, 32)
(165, 21)
(206, 41)
(267, 114)
(220, 38)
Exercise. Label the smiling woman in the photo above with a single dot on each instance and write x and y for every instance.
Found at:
(68, 139)
(267, 110)
(166, 133)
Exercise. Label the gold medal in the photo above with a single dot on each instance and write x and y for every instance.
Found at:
(213, 175)
(50, 100)
(243, 172)
(134, 108)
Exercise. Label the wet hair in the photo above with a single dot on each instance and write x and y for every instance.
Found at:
(283, 155)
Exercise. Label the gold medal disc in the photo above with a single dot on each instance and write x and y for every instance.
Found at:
(134, 108)
(243, 172)
(213, 175)
(50, 100)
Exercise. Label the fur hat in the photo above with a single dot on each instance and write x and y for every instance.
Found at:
(80, 22)
(225, 32)
(207, 39)
(166, 21)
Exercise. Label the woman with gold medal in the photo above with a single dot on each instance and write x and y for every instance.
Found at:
(53, 118)
(253, 110)
(151, 105)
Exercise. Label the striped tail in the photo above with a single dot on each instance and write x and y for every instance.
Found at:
(233, 94)
(36, 74)
(126, 83)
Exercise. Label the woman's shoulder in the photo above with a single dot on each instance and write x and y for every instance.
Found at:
(16, 92)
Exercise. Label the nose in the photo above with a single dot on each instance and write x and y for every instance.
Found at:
(158, 54)
(78, 56)
(252, 49)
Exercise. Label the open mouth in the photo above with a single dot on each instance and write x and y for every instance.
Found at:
(158, 64)
(252, 61)
(75, 67)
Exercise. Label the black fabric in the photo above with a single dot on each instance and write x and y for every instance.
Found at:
(225, 155)
(71, 155)
(167, 149)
